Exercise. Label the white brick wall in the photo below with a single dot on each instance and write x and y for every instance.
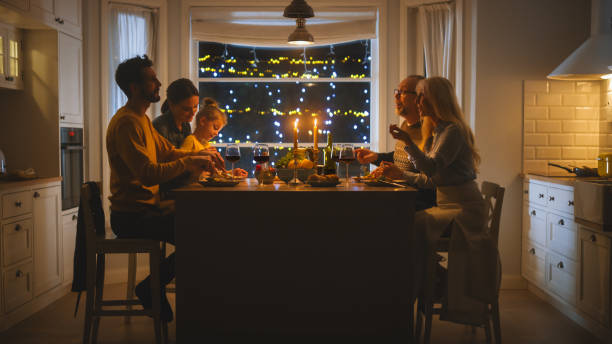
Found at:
(565, 122)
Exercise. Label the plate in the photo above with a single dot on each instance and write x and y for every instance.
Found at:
(219, 183)
(323, 184)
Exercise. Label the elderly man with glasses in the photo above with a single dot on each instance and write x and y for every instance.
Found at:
(396, 164)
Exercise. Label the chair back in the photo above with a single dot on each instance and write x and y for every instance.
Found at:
(92, 211)
(493, 194)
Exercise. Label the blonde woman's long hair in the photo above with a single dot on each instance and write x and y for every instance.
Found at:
(210, 111)
(441, 95)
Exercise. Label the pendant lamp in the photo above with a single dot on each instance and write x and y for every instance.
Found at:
(299, 10)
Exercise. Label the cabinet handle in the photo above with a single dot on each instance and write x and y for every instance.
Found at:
(526, 192)
(18, 274)
(551, 198)
(533, 213)
(62, 117)
(17, 228)
(560, 265)
(18, 204)
(532, 251)
(74, 217)
(561, 222)
(570, 203)
(593, 238)
(36, 194)
(61, 21)
(57, 19)
(541, 196)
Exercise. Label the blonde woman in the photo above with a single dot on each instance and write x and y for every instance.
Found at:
(450, 160)
(209, 122)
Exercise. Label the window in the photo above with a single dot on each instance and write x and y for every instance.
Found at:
(13, 58)
(1, 55)
(263, 90)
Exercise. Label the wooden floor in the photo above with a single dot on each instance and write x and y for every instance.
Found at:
(525, 319)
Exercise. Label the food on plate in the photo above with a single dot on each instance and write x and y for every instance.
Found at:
(317, 178)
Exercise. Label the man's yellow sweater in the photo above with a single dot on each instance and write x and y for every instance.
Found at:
(139, 160)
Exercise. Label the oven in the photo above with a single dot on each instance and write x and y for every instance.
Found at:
(71, 140)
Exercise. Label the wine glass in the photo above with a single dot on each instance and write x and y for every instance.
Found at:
(232, 154)
(347, 155)
(261, 154)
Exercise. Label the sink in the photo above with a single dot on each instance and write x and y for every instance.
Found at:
(593, 202)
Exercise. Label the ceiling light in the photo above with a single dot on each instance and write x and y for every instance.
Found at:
(299, 10)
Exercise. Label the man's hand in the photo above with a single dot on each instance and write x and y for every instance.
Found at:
(197, 164)
(399, 134)
(238, 172)
(388, 170)
(366, 156)
(215, 157)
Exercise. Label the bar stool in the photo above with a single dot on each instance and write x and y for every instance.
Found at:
(97, 246)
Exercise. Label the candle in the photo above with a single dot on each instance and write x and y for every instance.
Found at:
(295, 134)
(316, 135)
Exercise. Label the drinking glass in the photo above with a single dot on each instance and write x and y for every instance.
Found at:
(347, 155)
(261, 154)
(232, 154)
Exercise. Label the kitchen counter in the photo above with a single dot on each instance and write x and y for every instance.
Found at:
(29, 182)
(563, 180)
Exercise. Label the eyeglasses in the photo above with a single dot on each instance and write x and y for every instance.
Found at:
(396, 92)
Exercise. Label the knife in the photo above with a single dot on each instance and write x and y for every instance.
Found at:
(392, 183)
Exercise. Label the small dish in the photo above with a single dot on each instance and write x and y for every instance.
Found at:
(323, 184)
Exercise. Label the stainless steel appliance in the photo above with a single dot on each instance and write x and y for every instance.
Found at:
(2, 163)
(593, 203)
(71, 140)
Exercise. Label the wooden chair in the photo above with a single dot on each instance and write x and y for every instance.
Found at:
(97, 247)
(429, 303)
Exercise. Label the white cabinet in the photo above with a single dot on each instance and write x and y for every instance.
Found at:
(47, 239)
(11, 57)
(550, 239)
(594, 280)
(69, 223)
(23, 5)
(64, 15)
(70, 80)
(31, 258)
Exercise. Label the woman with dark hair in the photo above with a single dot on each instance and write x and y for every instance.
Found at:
(181, 104)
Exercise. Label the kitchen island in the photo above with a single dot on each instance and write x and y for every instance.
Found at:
(280, 263)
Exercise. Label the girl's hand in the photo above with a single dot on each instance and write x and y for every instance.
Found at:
(215, 156)
(238, 172)
(399, 134)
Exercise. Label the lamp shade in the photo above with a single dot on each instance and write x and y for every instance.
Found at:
(298, 9)
(300, 36)
(591, 61)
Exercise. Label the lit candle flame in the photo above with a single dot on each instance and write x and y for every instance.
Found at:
(296, 123)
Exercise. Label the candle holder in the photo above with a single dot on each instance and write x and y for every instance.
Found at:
(295, 180)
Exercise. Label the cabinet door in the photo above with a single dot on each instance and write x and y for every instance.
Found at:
(16, 242)
(11, 58)
(69, 222)
(537, 194)
(562, 200)
(17, 286)
(534, 224)
(47, 239)
(561, 277)
(562, 235)
(69, 11)
(45, 5)
(533, 262)
(70, 80)
(594, 280)
(23, 5)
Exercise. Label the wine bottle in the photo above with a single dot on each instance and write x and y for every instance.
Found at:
(329, 166)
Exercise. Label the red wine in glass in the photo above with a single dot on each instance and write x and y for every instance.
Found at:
(232, 158)
(260, 159)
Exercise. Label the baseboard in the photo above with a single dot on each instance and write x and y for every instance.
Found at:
(603, 333)
(513, 282)
(38, 303)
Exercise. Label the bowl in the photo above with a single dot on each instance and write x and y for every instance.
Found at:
(303, 173)
(285, 174)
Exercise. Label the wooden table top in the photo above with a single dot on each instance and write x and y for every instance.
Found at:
(251, 185)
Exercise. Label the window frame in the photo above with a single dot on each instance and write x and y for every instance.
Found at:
(286, 80)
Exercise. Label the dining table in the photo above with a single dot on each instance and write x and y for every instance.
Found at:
(285, 263)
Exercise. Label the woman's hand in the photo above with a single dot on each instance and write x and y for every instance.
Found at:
(389, 170)
(365, 156)
(215, 157)
(238, 172)
(401, 135)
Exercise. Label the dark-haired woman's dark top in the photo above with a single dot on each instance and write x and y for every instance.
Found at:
(166, 127)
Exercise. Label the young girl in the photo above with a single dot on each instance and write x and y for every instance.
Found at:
(209, 122)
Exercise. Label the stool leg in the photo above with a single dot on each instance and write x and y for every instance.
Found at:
(99, 295)
(132, 265)
(89, 304)
(154, 259)
(496, 324)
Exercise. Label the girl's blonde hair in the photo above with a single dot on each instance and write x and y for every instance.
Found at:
(441, 95)
(210, 111)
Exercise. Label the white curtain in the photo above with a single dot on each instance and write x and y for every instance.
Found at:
(436, 25)
(266, 26)
(133, 31)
